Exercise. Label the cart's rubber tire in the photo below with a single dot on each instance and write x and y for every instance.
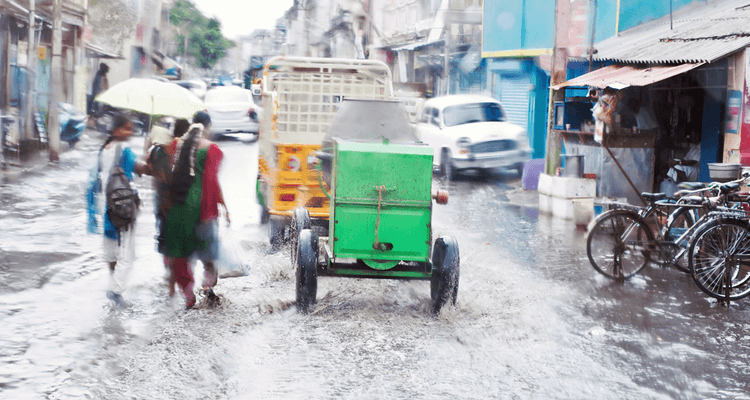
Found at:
(300, 221)
(277, 230)
(445, 272)
(307, 274)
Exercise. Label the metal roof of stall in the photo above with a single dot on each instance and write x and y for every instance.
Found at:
(94, 51)
(622, 76)
(697, 33)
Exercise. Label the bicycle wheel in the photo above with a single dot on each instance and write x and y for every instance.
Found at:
(679, 221)
(720, 259)
(618, 244)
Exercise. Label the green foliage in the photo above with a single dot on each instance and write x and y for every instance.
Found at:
(205, 40)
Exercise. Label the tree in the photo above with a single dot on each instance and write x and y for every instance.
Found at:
(206, 43)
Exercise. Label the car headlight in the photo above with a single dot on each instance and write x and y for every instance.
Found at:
(463, 144)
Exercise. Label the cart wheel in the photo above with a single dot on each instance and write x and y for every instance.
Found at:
(307, 275)
(445, 271)
(300, 221)
(277, 231)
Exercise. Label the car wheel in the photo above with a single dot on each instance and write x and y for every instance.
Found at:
(446, 166)
(519, 169)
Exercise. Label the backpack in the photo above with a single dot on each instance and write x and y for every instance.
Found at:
(122, 197)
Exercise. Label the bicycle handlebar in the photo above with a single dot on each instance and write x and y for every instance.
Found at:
(712, 186)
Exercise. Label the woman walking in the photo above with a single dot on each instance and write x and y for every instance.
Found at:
(192, 222)
(118, 245)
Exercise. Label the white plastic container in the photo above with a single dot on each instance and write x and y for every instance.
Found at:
(724, 172)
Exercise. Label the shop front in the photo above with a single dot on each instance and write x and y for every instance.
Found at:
(645, 129)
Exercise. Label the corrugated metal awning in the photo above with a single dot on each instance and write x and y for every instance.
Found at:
(94, 51)
(699, 32)
(620, 77)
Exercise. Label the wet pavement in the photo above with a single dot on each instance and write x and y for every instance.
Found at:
(533, 318)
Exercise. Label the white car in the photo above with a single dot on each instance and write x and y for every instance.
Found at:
(471, 132)
(232, 111)
(197, 86)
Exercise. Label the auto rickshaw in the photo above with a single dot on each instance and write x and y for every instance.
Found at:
(300, 97)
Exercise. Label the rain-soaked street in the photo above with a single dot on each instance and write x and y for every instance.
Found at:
(533, 318)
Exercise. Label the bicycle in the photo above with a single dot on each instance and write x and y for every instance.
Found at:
(621, 242)
(719, 255)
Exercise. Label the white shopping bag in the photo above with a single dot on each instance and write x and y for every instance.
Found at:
(232, 260)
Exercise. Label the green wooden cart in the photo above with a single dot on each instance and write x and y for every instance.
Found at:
(380, 225)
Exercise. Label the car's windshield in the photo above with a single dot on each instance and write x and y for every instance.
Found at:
(219, 96)
(468, 113)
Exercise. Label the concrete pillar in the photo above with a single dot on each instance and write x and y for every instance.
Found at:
(53, 124)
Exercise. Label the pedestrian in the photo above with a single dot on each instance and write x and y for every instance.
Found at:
(119, 237)
(100, 84)
(195, 194)
(161, 168)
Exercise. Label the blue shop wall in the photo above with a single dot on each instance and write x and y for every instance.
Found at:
(638, 12)
(529, 24)
(523, 88)
(520, 24)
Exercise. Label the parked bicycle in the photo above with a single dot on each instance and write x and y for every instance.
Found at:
(623, 241)
(719, 253)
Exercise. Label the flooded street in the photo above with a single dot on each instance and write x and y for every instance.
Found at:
(533, 321)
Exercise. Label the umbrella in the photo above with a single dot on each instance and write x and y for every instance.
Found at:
(153, 97)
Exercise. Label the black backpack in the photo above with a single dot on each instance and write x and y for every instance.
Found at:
(122, 197)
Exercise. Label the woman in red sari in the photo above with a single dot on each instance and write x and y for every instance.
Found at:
(195, 194)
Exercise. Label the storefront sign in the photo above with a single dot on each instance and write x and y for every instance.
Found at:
(733, 111)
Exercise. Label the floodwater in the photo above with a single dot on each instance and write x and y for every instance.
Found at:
(533, 319)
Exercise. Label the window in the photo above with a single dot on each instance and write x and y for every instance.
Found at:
(470, 113)
(426, 115)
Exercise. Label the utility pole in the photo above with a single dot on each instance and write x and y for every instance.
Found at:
(558, 75)
(31, 73)
(53, 126)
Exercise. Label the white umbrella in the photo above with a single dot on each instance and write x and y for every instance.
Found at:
(152, 97)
